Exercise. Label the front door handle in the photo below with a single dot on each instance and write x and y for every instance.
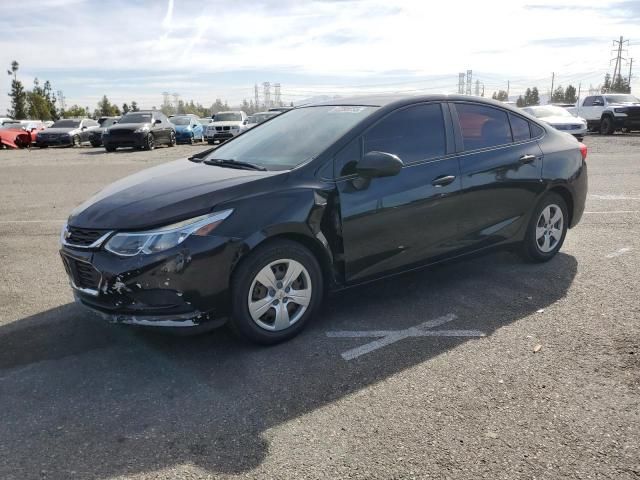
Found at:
(443, 180)
(527, 158)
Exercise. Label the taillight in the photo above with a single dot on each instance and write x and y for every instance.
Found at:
(583, 151)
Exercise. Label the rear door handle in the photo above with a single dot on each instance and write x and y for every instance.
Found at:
(527, 158)
(443, 180)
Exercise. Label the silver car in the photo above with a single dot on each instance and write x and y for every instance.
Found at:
(560, 119)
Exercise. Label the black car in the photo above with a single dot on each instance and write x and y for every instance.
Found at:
(142, 130)
(67, 132)
(95, 137)
(321, 197)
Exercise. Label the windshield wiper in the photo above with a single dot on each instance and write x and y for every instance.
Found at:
(223, 162)
(198, 157)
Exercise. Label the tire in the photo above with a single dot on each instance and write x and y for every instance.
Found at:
(276, 316)
(172, 139)
(544, 236)
(149, 142)
(96, 144)
(42, 146)
(110, 148)
(607, 126)
(75, 142)
(192, 140)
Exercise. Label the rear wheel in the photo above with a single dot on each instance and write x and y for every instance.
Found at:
(275, 291)
(606, 125)
(547, 229)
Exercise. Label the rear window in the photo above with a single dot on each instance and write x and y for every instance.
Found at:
(483, 127)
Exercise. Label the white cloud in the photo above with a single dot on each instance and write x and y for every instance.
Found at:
(91, 48)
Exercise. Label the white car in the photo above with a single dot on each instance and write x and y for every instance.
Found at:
(259, 117)
(226, 125)
(560, 119)
(610, 112)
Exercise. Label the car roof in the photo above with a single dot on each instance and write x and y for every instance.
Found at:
(398, 100)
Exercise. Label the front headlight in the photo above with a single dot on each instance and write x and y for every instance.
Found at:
(154, 241)
(621, 110)
(142, 129)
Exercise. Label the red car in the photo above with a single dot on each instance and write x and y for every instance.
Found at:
(20, 135)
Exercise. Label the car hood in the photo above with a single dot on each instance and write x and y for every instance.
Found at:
(182, 128)
(61, 130)
(562, 120)
(225, 124)
(623, 104)
(165, 194)
(128, 126)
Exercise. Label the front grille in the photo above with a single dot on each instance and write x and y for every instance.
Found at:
(82, 274)
(120, 132)
(633, 112)
(83, 237)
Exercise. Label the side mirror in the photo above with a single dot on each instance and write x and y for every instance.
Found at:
(379, 164)
(83, 128)
(158, 121)
(245, 122)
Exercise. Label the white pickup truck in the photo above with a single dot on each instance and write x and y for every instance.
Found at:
(609, 112)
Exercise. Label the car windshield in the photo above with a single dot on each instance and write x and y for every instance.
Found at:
(621, 99)
(227, 117)
(292, 138)
(66, 124)
(11, 125)
(180, 120)
(136, 118)
(548, 111)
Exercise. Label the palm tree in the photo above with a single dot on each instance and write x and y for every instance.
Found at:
(14, 70)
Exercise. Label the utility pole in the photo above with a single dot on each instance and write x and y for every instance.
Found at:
(461, 83)
(617, 69)
(267, 94)
(469, 81)
(277, 101)
(578, 100)
(630, 67)
(553, 78)
(477, 92)
(508, 88)
(257, 98)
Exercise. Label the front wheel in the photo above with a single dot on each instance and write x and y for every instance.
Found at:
(547, 229)
(150, 142)
(275, 291)
(109, 148)
(172, 139)
(606, 126)
(75, 141)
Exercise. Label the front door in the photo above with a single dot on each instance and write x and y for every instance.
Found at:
(394, 222)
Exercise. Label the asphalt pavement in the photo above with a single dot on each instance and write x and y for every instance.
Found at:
(480, 368)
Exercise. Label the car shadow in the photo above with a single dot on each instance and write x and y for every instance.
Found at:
(81, 397)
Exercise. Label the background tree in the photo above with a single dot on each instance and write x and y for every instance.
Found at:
(134, 106)
(125, 108)
(18, 96)
(535, 96)
(558, 95)
(500, 95)
(606, 86)
(106, 108)
(620, 85)
(570, 94)
(50, 98)
(520, 102)
(74, 111)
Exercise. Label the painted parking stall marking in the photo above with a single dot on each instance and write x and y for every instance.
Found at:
(387, 337)
(619, 252)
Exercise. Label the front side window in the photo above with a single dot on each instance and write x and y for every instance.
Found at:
(588, 102)
(519, 128)
(483, 127)
(413, 134)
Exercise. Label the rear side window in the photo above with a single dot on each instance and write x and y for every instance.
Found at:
(588, 102)
(536, 130)
(519, 128)
(483, 127)
(413, 134)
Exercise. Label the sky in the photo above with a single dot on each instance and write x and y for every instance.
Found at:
(208, 49)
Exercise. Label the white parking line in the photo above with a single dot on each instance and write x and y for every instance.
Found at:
(619, 252)
(387, 337)
(615, 211)
(613, 197)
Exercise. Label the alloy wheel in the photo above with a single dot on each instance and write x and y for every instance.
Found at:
(549, 228)
(279, 295)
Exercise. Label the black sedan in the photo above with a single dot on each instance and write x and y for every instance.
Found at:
(321, 197)
(142, 129)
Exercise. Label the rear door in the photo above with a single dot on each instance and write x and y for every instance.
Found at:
(393, 222)
(501, 171)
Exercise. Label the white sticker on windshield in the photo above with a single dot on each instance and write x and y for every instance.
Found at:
(346, 109)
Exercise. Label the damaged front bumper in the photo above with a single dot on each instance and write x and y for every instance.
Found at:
(182, 287)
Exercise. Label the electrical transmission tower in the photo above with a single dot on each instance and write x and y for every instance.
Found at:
(477, 88)
(469, 81)
(266, 87)
(461, 83)
(176, 100)
(165, 99)
(62, 103)
(256, 97)
(617, 69)
(277, 100)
